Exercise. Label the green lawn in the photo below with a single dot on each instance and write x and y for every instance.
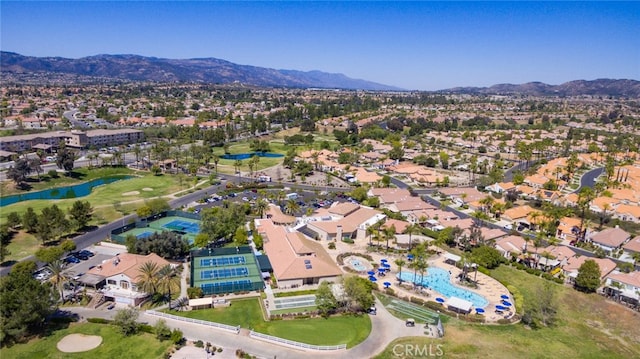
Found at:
(114, 345)
(588, 327)
(109, 201)
(318, 331)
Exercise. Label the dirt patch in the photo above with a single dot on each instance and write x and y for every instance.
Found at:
(132, 193)
(147, 189)
(76, 343)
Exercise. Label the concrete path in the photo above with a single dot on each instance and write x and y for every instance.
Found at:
(385, 328)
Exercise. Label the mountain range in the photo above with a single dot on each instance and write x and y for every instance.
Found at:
(205, 70)
(599, 87)
(217, 71)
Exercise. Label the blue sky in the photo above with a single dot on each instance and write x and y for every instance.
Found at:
(413, 45)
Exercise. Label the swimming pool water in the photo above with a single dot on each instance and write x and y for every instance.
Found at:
(439, 280)
(355, 264)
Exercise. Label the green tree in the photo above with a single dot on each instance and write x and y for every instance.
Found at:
(358, 293)
(49, 254)
(144, 211)
(19, 171)
(359, 194)
(400, 263)
(201, 240)
(291, 207)
(30, 220)
(396, 153)
(25, 303)
(52, 224)
(125, 320)
(13, 220)
(168, 281)
(58, 276)
(588, 278)
(147, 278)
(487, 257)
(65, 158)
(325, 300)
(241, 237)
(80, 213)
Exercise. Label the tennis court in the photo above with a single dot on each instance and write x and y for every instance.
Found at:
(224, 273)
(186, 227)
(222, 262)
(223, 270)
(182, 225)
(144, 234)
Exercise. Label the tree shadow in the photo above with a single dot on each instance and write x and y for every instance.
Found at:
(76, 175)
(8, 263)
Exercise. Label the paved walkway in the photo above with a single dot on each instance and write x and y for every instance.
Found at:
(385, 328)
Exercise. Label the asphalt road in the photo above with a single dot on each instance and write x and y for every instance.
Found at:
(589, 178)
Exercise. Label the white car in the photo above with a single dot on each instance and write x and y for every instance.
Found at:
(508, 226)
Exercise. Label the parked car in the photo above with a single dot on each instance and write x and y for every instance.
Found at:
(82, 256)
(71, 259)
(87, 252)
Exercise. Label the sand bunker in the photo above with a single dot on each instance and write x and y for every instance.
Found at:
(132, 193)
(147, 189)
(76, 343)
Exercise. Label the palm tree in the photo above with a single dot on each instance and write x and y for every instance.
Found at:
(389, 233)
(291, 207)
(237, 164)
(147, 279)
(58, 276)
(168, 279)
(216, 159)
(400, 262)
(370, 231)
(412, 229)
(261, 207)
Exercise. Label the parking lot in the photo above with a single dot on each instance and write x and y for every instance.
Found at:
(76, 270)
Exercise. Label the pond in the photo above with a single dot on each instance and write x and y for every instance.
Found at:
(244, 156)
(79, 190)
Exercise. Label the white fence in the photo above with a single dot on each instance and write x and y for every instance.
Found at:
(230, 328)
(291, 343)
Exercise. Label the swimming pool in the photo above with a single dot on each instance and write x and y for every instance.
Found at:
(357, 265)
(439, 280)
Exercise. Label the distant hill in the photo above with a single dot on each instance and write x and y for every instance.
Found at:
(205, 70)
(600, 87)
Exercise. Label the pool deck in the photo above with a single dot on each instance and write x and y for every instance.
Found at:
(488, 287)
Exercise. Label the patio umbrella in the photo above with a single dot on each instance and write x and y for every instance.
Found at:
(504, 296)
(410, 256)
(506, 304)
(371, 273)
(440, 300)
(499, 307)
(386, 265)
(479, 310)
(380, 269)
(387, 284)
(383, 260)
(373, 279)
